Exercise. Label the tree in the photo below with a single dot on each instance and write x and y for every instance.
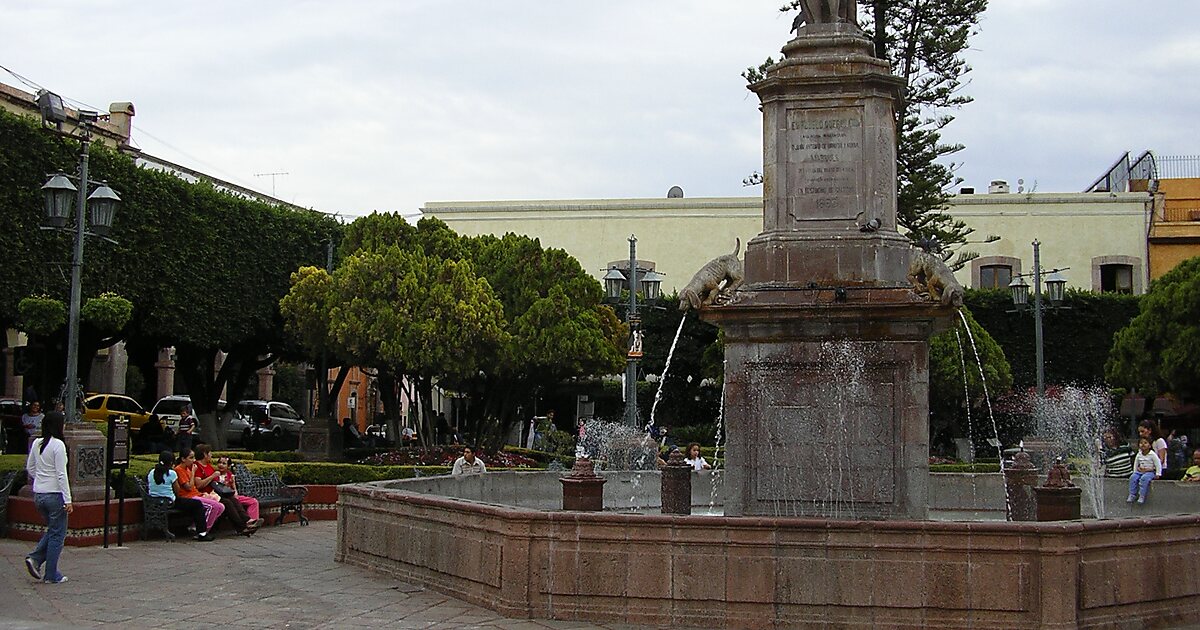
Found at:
(956, 387)
(558, 328)
(924, 40)
(399, 311)
(1159, 351)
(492, 318)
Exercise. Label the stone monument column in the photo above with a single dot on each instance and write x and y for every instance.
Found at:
(827, 346)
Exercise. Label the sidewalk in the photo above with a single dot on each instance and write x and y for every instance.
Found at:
(283, 577)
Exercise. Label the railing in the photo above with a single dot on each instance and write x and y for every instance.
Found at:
(1178, 166)
(1181, 214)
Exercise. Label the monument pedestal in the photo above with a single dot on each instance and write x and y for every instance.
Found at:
(85, 461)
(321, 440)
(827, 402)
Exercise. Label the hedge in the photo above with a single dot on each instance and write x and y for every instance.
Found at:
(329, 473)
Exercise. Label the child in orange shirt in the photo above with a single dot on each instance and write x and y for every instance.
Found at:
(185, 488)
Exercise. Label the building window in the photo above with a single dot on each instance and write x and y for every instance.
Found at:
(1116, 278)
(994, 272)
(994, 276)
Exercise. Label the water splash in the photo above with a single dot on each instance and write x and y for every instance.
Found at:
(666, 370)
(718, 476)
(962, 360)
(1073, 419)
(987, 397)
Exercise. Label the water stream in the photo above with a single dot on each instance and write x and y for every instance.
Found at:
(662, 380)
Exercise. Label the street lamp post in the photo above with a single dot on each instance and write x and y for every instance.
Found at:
(85, 445)
(58, 193)
(1055, 286)
(633, 279)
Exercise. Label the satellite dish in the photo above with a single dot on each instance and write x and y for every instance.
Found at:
(675, 193)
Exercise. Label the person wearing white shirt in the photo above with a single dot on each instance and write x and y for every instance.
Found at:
(468, 464)
(1146, 467)
(695, 459)
(47, 466)
(32, 421)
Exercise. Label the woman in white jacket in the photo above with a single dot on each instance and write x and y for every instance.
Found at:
(47, 466)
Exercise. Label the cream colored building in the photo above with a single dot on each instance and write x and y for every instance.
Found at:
(1100, 236)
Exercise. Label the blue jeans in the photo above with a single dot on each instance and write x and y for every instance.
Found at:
(1139, 483)
(49, 548)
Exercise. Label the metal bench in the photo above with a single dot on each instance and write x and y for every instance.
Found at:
(271, 492)
(156, 511)
(7, 482)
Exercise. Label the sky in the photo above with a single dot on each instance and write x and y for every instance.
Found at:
(387, 104)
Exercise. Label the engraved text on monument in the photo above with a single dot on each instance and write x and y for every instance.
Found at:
(824, 154)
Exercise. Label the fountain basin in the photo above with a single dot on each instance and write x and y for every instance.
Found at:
(766, 572)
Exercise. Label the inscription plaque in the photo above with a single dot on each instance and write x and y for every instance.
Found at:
(824, 154)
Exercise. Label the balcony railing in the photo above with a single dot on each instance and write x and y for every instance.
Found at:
(1174, 214)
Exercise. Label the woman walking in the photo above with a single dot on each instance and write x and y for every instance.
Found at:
(47, 465)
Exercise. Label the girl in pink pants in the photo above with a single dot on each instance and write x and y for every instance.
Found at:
(225, 475)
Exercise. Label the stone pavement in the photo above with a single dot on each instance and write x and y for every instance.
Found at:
(282, 577)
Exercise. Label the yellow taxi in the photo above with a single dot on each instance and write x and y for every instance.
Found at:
(98, 407)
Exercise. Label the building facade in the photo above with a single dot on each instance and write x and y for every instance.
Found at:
(1100, 237)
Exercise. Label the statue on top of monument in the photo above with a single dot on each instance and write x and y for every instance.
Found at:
(826, 12)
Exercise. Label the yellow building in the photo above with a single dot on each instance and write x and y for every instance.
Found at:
(1175, 234)
(1100, 236)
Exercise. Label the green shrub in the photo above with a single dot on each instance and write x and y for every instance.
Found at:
(702, 434)
(41, 314)
(108, 312)
(326, 473)
(542, 457)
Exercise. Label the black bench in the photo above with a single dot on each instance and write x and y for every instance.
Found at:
(8, 482)
(156, 511)
(271, 492)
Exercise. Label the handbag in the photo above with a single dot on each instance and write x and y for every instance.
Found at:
(222, 490)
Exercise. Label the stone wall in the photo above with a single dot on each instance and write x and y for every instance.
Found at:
(758, 572)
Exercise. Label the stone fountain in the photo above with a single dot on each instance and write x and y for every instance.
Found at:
(827, 483)
(828, 265)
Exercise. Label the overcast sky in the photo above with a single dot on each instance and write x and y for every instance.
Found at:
(384, 105)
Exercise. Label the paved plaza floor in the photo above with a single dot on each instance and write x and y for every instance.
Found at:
(283, 577)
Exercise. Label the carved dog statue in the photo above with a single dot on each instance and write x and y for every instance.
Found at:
(719, 276)
(931, 277)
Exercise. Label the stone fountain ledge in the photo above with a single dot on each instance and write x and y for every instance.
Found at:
(764, 572)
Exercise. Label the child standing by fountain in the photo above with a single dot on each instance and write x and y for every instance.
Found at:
(1146, 467)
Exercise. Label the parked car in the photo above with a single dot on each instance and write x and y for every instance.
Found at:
(12, 434)
(277, 417)
(99, 408)
(168, 409)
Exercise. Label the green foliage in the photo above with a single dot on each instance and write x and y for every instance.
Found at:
(1077, 339)
(41, 314)
(489, 317)
(1159, 351)
(108, 312)
(326, 473)
(952, 360)
(753, 74)
(542, 457)
(552, 440)
(691, 389)
(291, 385)
(206, 269)
(702, 434)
